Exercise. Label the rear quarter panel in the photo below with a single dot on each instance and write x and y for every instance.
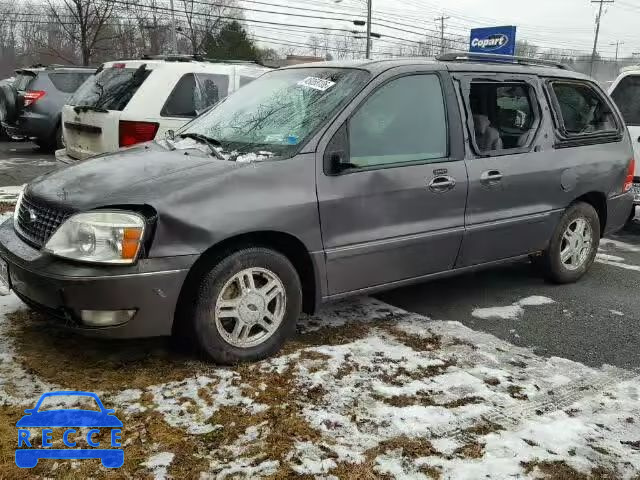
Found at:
(587, 168)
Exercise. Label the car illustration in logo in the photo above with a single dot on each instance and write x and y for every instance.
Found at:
(69, 418)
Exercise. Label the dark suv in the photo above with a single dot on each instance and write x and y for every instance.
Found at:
(33, 104)
(321, 181)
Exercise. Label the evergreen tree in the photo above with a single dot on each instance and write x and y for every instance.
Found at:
(231, 43)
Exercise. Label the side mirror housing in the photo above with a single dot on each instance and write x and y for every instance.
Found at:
(336, 154)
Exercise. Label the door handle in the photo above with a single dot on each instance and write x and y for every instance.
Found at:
(441, 184)
(491, 177)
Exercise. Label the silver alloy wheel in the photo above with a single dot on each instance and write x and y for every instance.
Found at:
(250, 307)
(576, 244)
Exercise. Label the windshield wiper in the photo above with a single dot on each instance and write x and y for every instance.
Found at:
(212, 143)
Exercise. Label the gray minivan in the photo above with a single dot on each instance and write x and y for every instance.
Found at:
(321, 181)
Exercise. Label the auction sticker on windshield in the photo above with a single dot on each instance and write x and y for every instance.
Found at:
(317, 83)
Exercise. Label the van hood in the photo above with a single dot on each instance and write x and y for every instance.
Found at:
(137, 175)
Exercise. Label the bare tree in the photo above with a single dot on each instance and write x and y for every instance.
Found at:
(315, 45)
(526, 49)
(202, 20)
(84, 22)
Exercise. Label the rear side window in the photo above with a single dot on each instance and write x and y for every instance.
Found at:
(505, 116)
(110, 89)
(582, 110)
(194, 93)
(403, 121)
(627, 97)
(23, 80)
(68, 82)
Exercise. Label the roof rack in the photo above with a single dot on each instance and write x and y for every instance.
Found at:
(192, 58)
(53, 66)
(495, 58)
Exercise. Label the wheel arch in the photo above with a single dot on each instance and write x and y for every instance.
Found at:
(286, 244)
(598, 201)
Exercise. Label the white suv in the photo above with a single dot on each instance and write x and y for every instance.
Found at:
(625, 91)
(133, 101)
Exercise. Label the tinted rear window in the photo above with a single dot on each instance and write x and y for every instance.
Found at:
(111, 89)
(194, 93)
(23, 80)
(627, 97)
(68, 82)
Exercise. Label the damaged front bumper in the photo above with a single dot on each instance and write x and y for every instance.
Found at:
(110, 301)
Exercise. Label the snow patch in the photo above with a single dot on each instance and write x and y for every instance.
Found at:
(253, 157)
(626, 266)
(625, 247)
(513, 311)
(611, 258)
(10, 194)
(159, 463)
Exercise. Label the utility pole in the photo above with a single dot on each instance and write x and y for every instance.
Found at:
(369, 14)
(442, 19)
(617, 44)
(174, 38)
(595, 41)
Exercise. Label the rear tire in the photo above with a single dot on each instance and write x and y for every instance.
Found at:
(52, 144)
(247, 306)
(573, 245)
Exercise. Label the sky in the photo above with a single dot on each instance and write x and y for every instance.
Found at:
(564, 24)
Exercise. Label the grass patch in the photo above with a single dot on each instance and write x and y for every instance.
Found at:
(282, 421)
(328, 336)
(7, 207)
(559, 470)
(515, 391)
(412, 448)
(113, 365)
(425, 399)
(470, 450)
(416, 342)
(432, 472)
(484, 428)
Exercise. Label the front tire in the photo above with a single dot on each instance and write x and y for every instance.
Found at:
(573, 246)
(247, 306)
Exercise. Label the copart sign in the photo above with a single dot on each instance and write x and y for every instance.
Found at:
(495, 40)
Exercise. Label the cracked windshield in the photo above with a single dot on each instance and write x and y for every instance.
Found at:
(277, 112)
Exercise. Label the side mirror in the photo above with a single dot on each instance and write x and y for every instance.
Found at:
(336, 154)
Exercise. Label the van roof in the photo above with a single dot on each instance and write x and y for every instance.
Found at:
(472, 65)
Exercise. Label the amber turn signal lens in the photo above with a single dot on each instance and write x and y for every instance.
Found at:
(131, 242)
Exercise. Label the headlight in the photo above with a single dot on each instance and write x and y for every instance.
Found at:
(99, 237)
